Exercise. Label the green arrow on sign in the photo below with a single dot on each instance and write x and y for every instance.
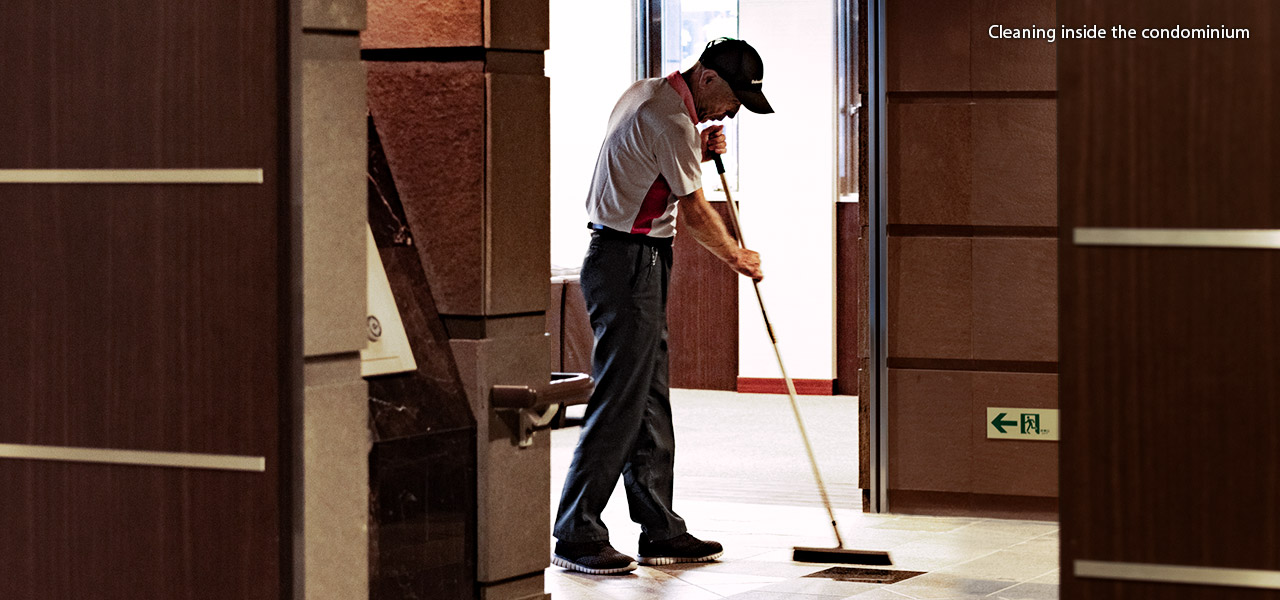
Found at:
(1000, 424)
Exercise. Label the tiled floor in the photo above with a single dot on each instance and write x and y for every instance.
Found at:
(742, 479)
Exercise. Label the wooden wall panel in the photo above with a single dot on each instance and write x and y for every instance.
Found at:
(569, 325)
(864, 426)
(1012, 467)
(851, 293)
(555, 326)
(1216, 92)
(928, 45)
(929, 440)
(143, 317)
(77, 61)
(1015, 300)
(123, 302)
(1170, 391)
(972, 162)
(702, 314)
(1158, 361)
(125, 532)
(930, 297)
(1007, 64)
(862, 250)
(579, 339)
(1014, 164)
(971, 171)
(980, 298)
(930, 150)
(938, 439)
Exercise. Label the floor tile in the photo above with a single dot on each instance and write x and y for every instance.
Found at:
(1048, 578)
(1023, 529)
(1028, 591)
(821, 587)
(879, 594)
(723, 584)
(1010, 565)
(764, 595)
(740, 552)
(704, 578)
(937, 586)
(758, 568)
(665, 593)
(963, 558)
(934, 556)
(931, 524)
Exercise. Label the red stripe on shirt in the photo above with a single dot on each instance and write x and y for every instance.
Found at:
(655, 200)
(655, 203)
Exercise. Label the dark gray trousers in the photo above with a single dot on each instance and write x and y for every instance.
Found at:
(628, 428)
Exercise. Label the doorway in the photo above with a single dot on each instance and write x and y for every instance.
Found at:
(801, 208)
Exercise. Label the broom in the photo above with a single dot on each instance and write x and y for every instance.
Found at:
(839, 554)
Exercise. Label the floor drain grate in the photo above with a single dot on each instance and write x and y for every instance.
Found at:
(862, 575)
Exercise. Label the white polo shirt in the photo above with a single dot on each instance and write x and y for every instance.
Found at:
(651, 155)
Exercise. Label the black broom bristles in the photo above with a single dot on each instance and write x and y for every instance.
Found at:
(841, 556)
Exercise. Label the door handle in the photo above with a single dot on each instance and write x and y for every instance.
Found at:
(563, 388)
(536, 406)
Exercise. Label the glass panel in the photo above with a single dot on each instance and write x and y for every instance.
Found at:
(687, 26)
(848, 101)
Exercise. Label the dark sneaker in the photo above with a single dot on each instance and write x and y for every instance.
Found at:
(683, 548)
(594, 558)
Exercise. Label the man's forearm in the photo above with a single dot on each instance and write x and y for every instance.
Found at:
(707, 227)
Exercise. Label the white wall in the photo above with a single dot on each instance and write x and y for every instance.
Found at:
(787, 182)
(589, 65)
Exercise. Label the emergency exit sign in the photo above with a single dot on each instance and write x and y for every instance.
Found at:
(1040, 424)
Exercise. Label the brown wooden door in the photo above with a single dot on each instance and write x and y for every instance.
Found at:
(141, 316)
(1170, 330)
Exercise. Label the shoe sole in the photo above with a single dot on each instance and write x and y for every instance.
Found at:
(658, 561)
(565, 563)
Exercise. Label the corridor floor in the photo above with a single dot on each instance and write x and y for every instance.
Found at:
(742, 479)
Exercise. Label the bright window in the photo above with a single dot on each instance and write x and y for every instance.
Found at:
(687, 26)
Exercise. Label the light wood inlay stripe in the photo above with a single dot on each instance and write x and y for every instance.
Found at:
(148, 458)
(1178, 238)
(1249, 578)
(131, 176)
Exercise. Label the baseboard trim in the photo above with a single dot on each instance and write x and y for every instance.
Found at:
(804, 387)
(957, 504)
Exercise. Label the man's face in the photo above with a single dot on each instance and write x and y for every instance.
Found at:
(717, 101)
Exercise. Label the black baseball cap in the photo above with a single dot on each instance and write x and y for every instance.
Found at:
(741, 67)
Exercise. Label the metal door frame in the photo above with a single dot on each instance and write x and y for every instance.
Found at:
(647, 53)
(878, 259)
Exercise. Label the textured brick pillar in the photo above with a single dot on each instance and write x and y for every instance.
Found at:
(458, 95)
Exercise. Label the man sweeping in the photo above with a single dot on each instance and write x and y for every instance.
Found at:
(649, 164)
